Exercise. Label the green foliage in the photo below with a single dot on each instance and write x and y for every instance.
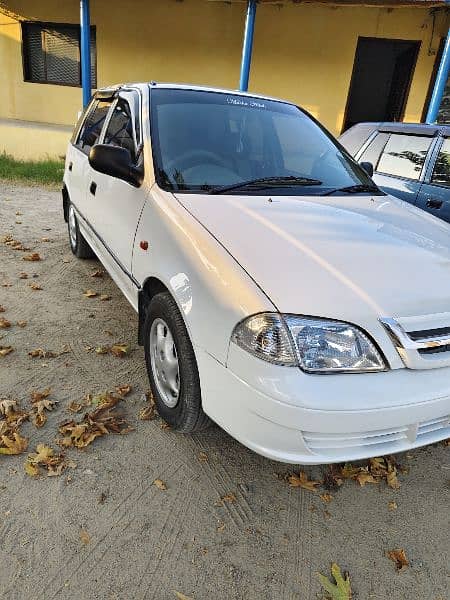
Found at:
(47, 172)
(340, 590)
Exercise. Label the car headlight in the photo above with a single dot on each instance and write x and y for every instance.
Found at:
(315, 345)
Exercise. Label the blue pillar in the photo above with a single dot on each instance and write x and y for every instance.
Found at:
(248, 45)
(85, 22)
(440, 83)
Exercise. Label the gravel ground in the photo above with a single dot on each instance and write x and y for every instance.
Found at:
(268, 542)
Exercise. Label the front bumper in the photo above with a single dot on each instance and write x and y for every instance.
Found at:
(292, 417)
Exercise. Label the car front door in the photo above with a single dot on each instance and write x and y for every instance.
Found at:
(116, 204)
(434, 195)
(77, 164)
(400, 166)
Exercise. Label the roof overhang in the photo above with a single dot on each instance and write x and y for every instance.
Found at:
(371, 3)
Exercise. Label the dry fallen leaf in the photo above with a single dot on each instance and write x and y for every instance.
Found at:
(104, 297)
(202, 457)
(326, 497)
(148, 412)
(364, 477)
(13, 443)
(159, 483)
(41, 403)
(4, 323)
(2, 309)
(90, 294)
(181, 596)
(31, 257)
(97, 273)
(22, 324)
(4, 350)
(392, 505)
(123, 390)
(41, 353)
(301, 480)
(230, 498)
(341, 590)
(119, 350)
(45, 458)
(101, 421)
(23, 275)
(102, 350)
(398, 556)
(35, 287)
(85, 537)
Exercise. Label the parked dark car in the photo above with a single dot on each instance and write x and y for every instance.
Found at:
(410, 161)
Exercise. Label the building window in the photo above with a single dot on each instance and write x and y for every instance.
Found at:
(51, 54)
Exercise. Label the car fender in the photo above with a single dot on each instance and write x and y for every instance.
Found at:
(212, 291)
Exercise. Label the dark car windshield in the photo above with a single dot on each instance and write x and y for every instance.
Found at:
(205, 141)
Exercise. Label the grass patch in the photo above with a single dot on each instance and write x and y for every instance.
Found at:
(46, 172)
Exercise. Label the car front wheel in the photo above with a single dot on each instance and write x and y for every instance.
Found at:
(171, 366)
(78, 244)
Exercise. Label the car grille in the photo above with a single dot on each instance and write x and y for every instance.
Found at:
(420, 349)
(381, 441)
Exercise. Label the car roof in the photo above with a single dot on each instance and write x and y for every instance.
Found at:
(109, 91)
(424, 129)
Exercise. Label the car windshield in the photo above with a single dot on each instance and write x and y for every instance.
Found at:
(219, 142)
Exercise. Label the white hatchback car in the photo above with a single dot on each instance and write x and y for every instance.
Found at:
(280, 293)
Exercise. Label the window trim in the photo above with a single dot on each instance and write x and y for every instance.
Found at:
(50, 25)
(433, 159)
(90, 108)
(122, 95)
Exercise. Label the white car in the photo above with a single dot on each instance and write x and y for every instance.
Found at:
(280, 293)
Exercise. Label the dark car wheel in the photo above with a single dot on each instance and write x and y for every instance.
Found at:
(171, 366)
(78, 244)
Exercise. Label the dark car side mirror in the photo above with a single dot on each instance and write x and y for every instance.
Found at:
(115, 161)
(368, 168)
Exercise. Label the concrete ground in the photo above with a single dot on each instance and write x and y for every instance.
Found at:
(104, 531)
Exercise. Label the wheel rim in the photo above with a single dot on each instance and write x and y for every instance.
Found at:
(164, 362)
(72, 227)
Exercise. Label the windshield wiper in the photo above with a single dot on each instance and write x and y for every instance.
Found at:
(356, 189)
(265, 182)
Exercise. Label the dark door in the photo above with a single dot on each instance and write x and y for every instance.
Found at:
(381, 78)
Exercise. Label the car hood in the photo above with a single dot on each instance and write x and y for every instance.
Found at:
(348, 258)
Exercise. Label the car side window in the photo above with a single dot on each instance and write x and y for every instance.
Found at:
(404, 155)
(120, 129)
(93, 124)
(441, 171)
(373, 151)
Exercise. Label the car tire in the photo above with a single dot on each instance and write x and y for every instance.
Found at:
(78, 243)
(172, 367)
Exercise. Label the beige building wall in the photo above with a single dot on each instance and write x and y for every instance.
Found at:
(302, 52)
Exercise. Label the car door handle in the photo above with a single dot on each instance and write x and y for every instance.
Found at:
(93, 188)
(70, 166)
(434, 203)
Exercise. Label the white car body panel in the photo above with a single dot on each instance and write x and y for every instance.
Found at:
(211, 290)
(225, 257)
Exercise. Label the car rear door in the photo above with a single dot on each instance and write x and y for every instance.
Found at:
(400, 168)
(434, 195)
(116, 205)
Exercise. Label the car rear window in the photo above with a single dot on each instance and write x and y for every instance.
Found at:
(404, 155)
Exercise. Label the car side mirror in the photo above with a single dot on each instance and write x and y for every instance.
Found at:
(116, 162)
(368, 168)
